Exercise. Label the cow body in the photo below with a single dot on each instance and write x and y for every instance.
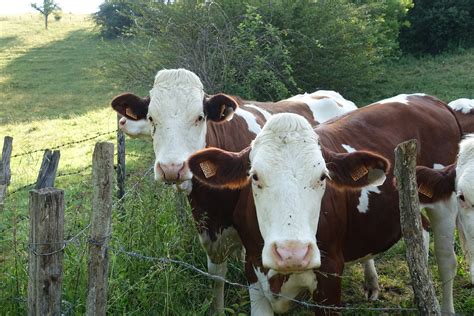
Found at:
(182, 119)
(352, 224)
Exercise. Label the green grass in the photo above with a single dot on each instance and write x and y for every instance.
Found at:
(55, 88)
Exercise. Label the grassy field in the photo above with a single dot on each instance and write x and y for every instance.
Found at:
(55, 89)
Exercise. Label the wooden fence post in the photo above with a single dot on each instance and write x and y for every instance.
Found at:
(120, 165)
(5, 173)
(46, 244)
(410, 220)
(102, 178)
(48, 169)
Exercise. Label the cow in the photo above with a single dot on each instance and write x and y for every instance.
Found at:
(182, 119)
(464, 110)
(310, 214)
(450, 191)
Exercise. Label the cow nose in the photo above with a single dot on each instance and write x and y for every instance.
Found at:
(292, 255)
(171, 172)
(122, 122)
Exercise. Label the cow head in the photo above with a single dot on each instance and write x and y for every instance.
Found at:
(176, 113)
(135, 129)
(288, 171)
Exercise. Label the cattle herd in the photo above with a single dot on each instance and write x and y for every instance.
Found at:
(306, 184)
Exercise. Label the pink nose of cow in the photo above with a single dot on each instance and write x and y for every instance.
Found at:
(292, 255)
(170, 172)
(122, 122)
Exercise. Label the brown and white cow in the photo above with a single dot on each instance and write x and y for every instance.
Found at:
(306, 189)
(182, 119)
(449, 191)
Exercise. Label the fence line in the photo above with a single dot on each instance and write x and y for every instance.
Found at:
(63, 145)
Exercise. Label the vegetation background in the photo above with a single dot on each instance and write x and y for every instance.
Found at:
(56, 86)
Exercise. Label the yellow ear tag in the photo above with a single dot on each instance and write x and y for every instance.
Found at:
(208, 168)
(426, 191)
(130, 113)
(359, 173)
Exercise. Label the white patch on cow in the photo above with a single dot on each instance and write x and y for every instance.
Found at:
(371, 280)
(331, 105)
(227, 242)
(140, 128)
(176, 103)
(462, 105)
(250, 119)
(296, 283)
(265, 114)
(401, 98)
(438, 166)
(288, 162)
(363, 206)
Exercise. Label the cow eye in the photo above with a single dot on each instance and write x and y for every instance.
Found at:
(255, 177)
(461, 197)
(150, 119)
(200, 118)
(323, 177)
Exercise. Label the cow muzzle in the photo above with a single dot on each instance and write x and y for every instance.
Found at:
(293, 256)
(172, 172)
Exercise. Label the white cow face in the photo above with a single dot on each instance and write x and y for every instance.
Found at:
(176, 113)
(135, 129)
(288, 173)
(288, 182)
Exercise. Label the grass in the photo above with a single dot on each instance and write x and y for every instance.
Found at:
(55, 88)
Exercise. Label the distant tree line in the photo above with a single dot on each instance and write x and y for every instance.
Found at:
(270, 49)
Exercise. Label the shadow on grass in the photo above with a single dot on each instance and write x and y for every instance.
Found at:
(7, 42)
(59, 80)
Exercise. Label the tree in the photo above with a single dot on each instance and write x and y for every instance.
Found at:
(49, 6)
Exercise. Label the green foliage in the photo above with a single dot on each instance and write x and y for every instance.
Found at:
(264, 50)
(261, 64)
(113, 18)
(437, 26)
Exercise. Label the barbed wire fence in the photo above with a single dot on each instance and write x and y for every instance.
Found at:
(80, 239)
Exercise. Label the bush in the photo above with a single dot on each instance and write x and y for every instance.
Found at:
(113, 18)
(438, 25)
(264, 49)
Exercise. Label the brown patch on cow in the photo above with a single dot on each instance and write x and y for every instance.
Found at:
(435, 184)
(277, 281)
(208, 168)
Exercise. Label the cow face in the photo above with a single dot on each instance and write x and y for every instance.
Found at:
(288, 171)
(177, 113)
(465, 174)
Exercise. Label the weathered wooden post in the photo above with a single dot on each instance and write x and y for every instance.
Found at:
(120, 165)
(5, 172)
(102, 178)
(410, 220)
(46, 244)
(48, 169)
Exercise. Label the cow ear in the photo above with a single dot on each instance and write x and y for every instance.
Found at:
(435, 184)
(131, 106)
(221, 169)
(220, 107)
(357, 169)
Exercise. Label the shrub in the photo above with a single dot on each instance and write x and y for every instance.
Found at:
(113, 18)
(438, 25)
(264, 49)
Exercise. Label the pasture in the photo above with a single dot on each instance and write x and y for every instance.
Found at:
(56, 89)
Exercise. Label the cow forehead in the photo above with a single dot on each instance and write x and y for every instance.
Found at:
(287, 141)
(176, 92)
(178, 101)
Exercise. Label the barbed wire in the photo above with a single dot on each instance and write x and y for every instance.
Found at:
(63, 145)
